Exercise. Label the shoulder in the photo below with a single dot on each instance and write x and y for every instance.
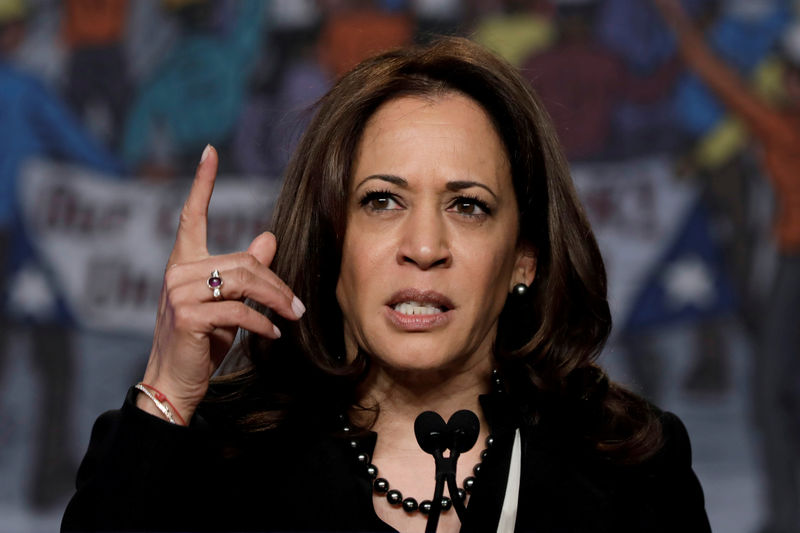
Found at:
(676, 450)
(574, 483)
(664, 487)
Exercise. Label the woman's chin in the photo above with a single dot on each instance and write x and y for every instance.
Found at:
(432, 362)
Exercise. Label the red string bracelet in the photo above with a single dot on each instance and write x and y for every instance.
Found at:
(159, 397)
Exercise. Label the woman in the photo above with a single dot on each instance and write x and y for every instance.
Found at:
(428, 187)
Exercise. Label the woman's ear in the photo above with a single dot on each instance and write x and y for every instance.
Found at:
(525, 266)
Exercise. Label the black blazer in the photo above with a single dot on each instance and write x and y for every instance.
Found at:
(143, 474)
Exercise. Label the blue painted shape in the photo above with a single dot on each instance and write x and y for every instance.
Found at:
(689, 282)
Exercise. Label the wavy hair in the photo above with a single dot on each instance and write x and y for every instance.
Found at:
(554, 334)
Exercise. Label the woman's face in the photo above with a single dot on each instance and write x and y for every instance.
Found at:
(430, 251)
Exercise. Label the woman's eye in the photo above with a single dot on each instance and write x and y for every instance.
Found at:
(379, 201)
(469, 207)
(384, 202)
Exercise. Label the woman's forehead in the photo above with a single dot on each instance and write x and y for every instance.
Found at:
(451, 107)
(414, 134)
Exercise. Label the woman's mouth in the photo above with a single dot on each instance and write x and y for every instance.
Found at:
(416, 310)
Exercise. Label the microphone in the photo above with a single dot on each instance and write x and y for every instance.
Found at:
(431, 432)
(434, 437)
(464, 427)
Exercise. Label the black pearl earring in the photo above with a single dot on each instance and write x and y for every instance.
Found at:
(520, 289)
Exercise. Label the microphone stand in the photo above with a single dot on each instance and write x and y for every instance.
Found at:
(445, 473)
(434, 436)
(442, 468)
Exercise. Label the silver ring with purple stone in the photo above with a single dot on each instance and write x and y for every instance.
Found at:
(214, 283)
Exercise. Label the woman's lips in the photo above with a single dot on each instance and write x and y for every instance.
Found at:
(417, 322)
(418, 310)
(421, 297)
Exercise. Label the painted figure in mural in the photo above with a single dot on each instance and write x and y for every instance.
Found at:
(34, 122)
(776, 382)
(97, 85)
(195, 94)
(583, 83)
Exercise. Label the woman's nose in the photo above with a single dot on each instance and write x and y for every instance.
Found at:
(424, 242)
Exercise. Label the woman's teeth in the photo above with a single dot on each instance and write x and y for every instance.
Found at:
(414, 308)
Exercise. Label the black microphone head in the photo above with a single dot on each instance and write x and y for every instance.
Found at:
(464, 427)
(431, 432)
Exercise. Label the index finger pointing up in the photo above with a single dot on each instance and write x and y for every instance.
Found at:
(190, 242)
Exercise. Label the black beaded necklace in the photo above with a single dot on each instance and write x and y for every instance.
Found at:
(410, 505)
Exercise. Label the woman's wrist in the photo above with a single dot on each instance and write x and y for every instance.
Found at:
(174, 393)
(148, 406)
(161, 402)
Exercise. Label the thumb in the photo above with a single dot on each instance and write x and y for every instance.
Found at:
(263, 248)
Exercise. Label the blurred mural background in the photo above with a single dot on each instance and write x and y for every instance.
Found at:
(106, 105)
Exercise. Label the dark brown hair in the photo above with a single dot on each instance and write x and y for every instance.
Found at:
(554, 334)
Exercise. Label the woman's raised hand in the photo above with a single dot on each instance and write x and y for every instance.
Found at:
(194, 330)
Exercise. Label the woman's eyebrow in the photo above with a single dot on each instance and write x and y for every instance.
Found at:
(453, 186)
(396, 180)
(456, 186)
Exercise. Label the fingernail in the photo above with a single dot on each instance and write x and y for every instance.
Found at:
(298, 307)
(206, 151)
(277, 331)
